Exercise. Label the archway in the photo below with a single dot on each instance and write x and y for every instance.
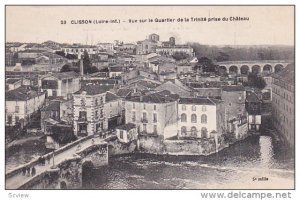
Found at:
(244, 69)
(87, 173)
(267, 68)
(222, 69)
(256, 69)
(233, 69)
(278, 68)
(63, 185)
(203, 132)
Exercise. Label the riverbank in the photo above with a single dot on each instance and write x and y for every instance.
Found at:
(23, 141)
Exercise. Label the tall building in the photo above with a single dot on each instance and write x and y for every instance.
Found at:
(88, 107)
(199, 117)
(153, 114)
(283, 102)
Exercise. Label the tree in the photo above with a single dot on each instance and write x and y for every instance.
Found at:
(87, 66)
(66, 68)
(206, 64)
(180, 56)
(255, 81)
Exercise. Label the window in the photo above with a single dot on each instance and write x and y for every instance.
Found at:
(101, 113)
(96, 102)
(154, 128)
(9, 119)
(97, 127)
(145, 127)
(144, 106)
(101, 100)
(183, 130)
(133, 116)
(121, 134)
(183, 117)
(194, 118)
(133, 105)
(154, 107)
(96, 114)
(144, 116)
(17, 109)
(183, 107)
(194, 131)
(82, 115)
(193, 108)
(154, 117)
(203, 108)
(17, 119)
(203, 119)
(204, 132)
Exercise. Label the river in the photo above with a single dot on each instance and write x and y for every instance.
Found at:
(255, 163)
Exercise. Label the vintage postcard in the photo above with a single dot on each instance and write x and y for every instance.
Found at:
(149, 97)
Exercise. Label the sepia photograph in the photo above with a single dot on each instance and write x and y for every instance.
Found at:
(154, 97)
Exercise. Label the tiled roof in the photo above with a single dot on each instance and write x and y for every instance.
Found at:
(12, 80)
(233, 88)
(158, 97)
(22, 93)
(287, 74)
(123, 92)
(110, 97)
(94, 89)
(53, 106)
(126, 127)
(200, 101)
(66, 75)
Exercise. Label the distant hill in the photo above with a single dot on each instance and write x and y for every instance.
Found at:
(239, 53)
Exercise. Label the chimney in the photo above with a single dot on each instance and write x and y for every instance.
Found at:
(81, 67)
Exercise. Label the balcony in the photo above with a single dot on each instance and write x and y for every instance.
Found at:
(144, 120)
(82, 119)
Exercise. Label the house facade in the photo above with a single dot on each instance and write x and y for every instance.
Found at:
(199, 117)
(88, 111)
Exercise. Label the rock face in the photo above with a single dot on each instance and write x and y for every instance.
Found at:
(156, 145)
(117, 148)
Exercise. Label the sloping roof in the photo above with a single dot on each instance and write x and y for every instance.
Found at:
(287, 74)
(22, 93)
(94, 89)
(126, 127)
(12, 80)
(53, 106)
(158, 97)
(116, 69)
(233, 88)
(62, 75)
(199, 101)
(110, 97)
(124, 92)
(252, 97)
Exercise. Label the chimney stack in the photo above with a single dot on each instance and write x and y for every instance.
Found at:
(81, 67)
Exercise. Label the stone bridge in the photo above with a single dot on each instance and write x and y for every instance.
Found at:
(65, 169)
(244, 67)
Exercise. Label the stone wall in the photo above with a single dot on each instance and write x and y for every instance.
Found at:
(157, 145)
(117, 148)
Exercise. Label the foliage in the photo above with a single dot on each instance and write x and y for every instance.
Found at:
(87, 66)
(180, 56)
(66, 68)
(256, 81)
(206, 65)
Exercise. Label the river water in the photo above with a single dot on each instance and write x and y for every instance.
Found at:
(255, 163)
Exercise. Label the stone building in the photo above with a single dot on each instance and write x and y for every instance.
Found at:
(283, 103)
(60, 84)
(88, 110)
(199, 117)
(21, 104)
(153, 114)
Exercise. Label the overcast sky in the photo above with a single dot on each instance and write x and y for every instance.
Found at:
(266, 25)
